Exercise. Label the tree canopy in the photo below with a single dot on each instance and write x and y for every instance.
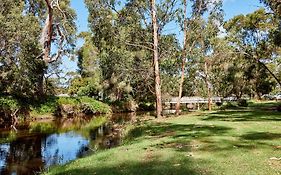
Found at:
(131, 54)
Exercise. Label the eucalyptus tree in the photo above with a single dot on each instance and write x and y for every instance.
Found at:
(24, 43)
(162, 13)
(274, 5)
(18, 48)
(198, 36)
(251, 36)
(120, 62)
(121, 32)
(59, 30)
(183, 55)
(88, 82)
(156, 59)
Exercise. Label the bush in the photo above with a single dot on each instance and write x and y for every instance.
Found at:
(228, 105)
(64, 106)
(242, 103)
(49, 106)
(146, 106)
(68, 101)
(219, 103)
(90, 105)
(8, 103)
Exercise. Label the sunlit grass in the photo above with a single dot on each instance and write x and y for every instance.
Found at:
(232, 142)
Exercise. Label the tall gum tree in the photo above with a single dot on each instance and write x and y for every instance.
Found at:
(59, 30)
(183, 56)
(197, 36)
(156, 59)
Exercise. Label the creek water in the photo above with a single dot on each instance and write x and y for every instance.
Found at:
(38, 145)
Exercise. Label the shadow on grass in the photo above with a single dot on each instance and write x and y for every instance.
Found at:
(152, 167)
(176, 131)
(176, 136)
(261, 136)
(245, 115)
(181, 137)
(247, 141)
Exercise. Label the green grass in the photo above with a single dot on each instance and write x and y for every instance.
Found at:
(232, 142)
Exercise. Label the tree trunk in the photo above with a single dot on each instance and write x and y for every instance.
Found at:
(46, 42)
(183, 60)
(270, 72)
(156, 60)
(208, 87)
(47, 33)
(40, 88)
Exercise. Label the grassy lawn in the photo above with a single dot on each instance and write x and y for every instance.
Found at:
(232, 142)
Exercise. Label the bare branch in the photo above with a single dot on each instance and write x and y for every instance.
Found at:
(138, 45)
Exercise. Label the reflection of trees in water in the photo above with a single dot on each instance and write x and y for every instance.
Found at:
(24, 156)
(29, 154)
(72, 123)
(82, 151)
(109, 135)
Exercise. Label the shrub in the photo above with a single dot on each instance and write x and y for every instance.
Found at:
(219, 103)
(70, 105)
(49, 106)
(68, 101)
(8, 103)
(91, 105)
(228, 105)
(242, 103)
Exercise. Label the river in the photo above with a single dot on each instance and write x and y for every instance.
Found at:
(38, 145)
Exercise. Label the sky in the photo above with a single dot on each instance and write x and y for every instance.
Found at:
(231, 8)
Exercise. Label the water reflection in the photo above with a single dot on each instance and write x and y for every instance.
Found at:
(61, 148)
(34, 149)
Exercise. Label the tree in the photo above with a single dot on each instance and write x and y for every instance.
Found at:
(156, 60)
(199, 41)
(59, 30)
(252, 36)
(123, 40)
(183, 57)
(22, 66)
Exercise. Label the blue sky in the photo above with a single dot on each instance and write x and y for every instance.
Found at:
(231, 9)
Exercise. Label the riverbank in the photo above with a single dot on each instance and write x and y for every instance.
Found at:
(221, 142)
(13, 111)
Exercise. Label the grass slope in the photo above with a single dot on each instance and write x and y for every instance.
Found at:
(244, 141)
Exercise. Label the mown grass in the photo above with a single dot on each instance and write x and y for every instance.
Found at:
(232, 142)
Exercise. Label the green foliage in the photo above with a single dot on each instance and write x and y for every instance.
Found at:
(84, 104)
(251, 36)
(21, 67)
(9, 103)
(93, 106)
(228, 105)
(68, 101)
(48, 106)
